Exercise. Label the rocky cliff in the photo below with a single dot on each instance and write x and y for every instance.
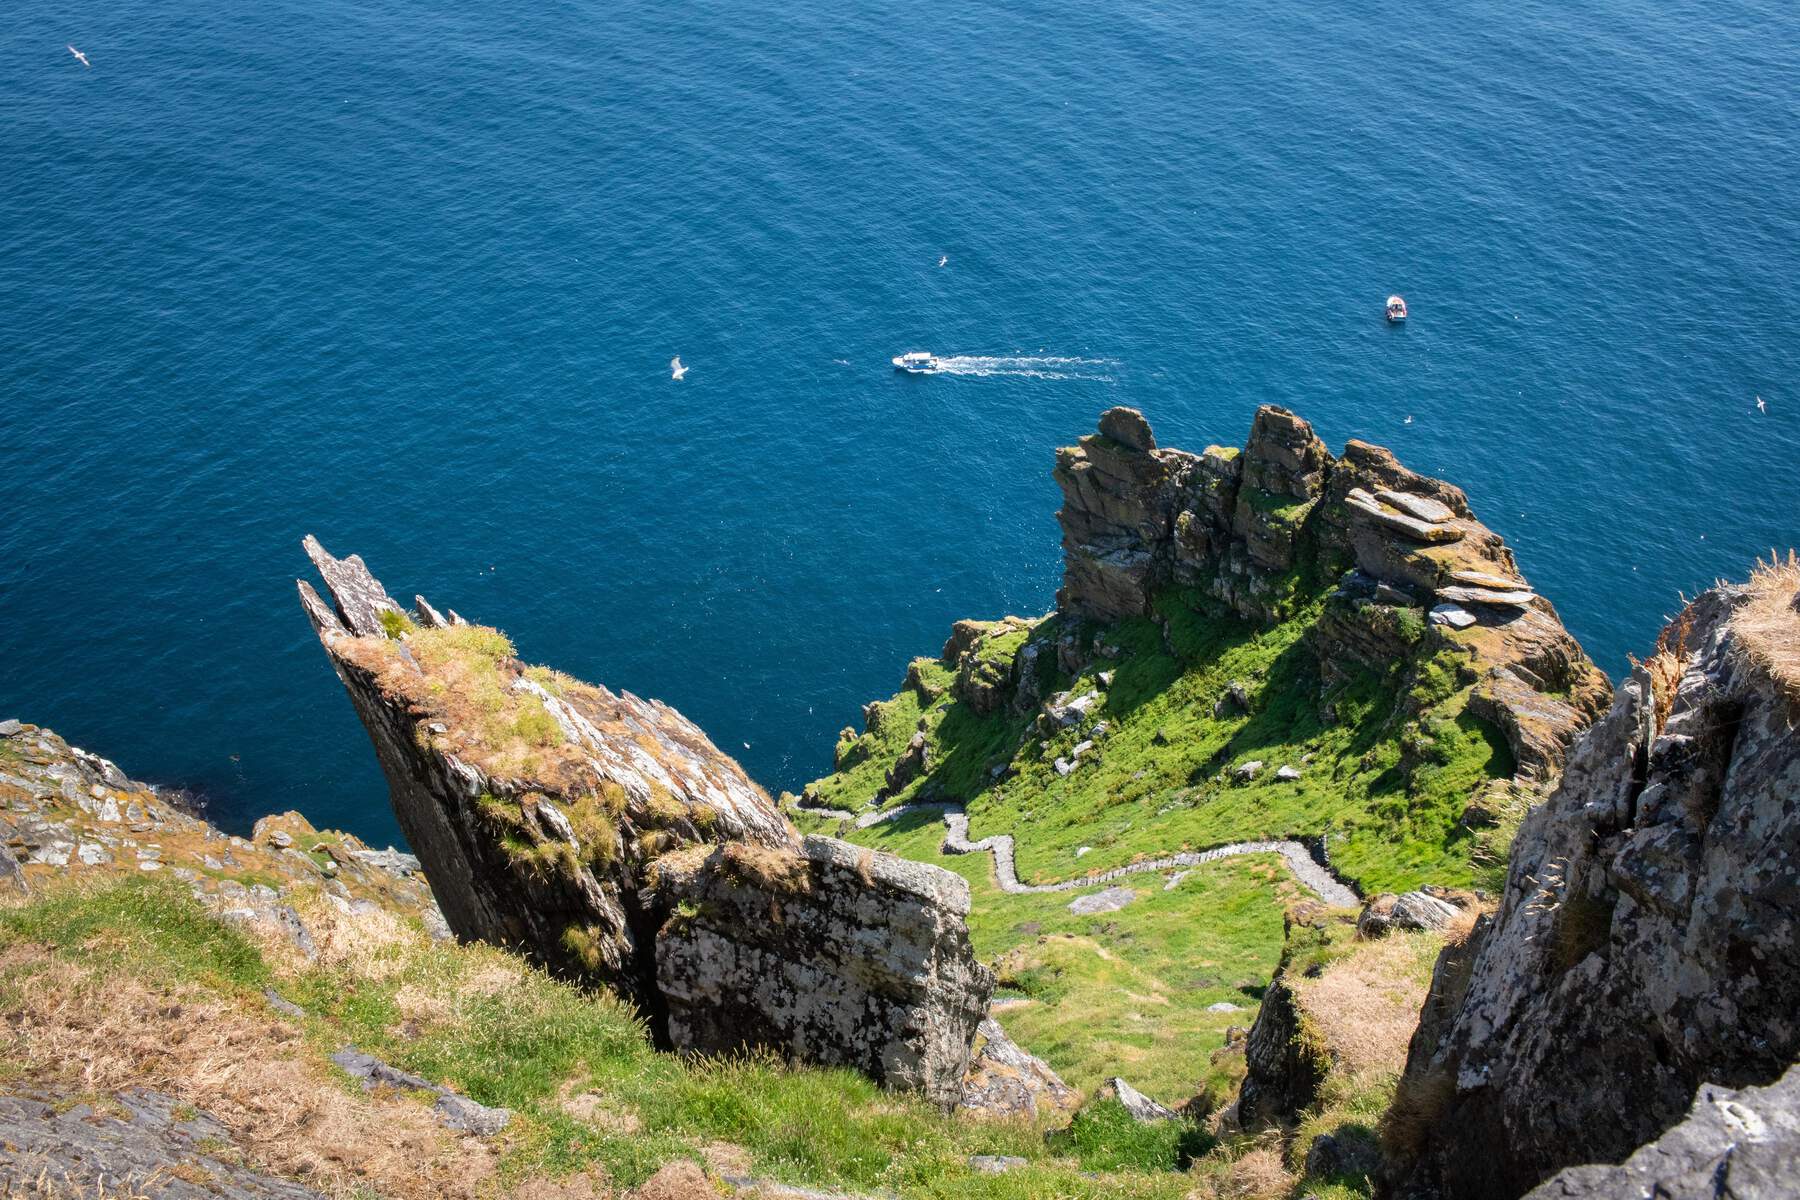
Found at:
(1648, 940)
(1266, 642)
(553, 816)
(1733, 1145)
(1254, 527)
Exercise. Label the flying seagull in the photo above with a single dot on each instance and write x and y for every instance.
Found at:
(78, 54)
(1760, 406)
(944, 261)
(676, 370)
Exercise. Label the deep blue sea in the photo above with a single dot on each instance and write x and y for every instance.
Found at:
(408, 276)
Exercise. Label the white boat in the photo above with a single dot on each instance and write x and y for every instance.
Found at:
(1396, 309)
(916, 362)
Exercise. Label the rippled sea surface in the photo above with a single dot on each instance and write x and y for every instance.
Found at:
(408, 276)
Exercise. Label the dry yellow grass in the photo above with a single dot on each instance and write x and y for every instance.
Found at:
(1258, 1173)
(679, 1180)
(377, 945)
(465, 678)
(103, 1033)
(783, 872)
(38, 1180)
(1767, 629)
(1366, 1004)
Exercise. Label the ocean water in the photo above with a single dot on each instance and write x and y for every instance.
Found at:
(408, 276)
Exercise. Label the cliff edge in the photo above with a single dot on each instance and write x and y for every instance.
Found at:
(1648, 940)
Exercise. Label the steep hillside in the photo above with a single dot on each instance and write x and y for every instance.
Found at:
(1256, 651)
(185, 1014)
(1272, 643)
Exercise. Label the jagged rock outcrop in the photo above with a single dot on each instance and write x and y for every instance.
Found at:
(1648, 939)
(606, 837)
(1733, 1145)
(1286, 1058)
(533, 799)
(828, 953)
(1334, 1022)
(1246, 527)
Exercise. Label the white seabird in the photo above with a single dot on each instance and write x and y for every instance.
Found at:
(81, 57)
(676, 370)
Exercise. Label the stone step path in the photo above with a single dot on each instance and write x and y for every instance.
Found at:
(956, 841)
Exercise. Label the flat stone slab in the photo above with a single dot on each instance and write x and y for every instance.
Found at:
(1453, 615)
(125, 1148)
(1111, 900)
(1482, 579)
(454, 1112)
(995, 1164)
(1475, 595)
(1422, 507)
(1413, 527)
(1142, 1108)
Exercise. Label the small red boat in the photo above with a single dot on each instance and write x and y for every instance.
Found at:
(1396, 309)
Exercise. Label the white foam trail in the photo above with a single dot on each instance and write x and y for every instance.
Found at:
(1038, 367)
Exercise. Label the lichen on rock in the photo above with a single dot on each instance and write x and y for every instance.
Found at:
(1647, 940)
(609, 839)
(534, 800)
(827, 953)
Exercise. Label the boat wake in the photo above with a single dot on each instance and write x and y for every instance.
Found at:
(1026, 367)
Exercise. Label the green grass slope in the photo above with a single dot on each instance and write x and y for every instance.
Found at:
(1123, 993)
(1388, 758)
(134, 979)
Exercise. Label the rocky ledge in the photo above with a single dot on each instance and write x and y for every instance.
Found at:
(1648, 940)
(606, 837)
(1733, 1145)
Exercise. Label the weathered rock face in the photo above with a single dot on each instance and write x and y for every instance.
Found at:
(1733, 1145)
(1287, 1062)
(1248, 526)
(828, 953)
(533, 799)
(605, 836)
(1434, 909)
(1005, 1080)
(1648, 939)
